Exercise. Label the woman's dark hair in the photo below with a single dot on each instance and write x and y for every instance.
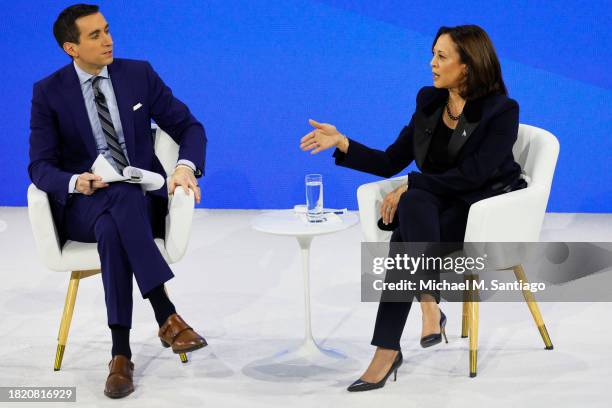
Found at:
(65, 28)
(476, 50)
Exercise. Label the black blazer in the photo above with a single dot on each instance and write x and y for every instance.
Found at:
(481, 147)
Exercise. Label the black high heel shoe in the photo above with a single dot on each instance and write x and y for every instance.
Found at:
(433, 339)
(361, 385)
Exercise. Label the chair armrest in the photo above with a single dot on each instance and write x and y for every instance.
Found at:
(512, 217)
(369, 199)
(43, 228)
(178, 223)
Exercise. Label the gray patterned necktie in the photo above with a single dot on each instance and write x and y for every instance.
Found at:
(107, 126)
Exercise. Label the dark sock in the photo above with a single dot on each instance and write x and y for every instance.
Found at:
(121, 341)
(162, 306)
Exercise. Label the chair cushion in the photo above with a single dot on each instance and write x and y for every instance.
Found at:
(81, 256)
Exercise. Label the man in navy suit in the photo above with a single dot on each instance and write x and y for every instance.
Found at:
(101, 105)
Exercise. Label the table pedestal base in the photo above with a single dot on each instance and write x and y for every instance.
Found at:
(310, 353)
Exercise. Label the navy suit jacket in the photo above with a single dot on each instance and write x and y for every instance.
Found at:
(62, 141)
(480, 146)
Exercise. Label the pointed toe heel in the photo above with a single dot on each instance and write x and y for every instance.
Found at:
(361, 385)
(436, 338)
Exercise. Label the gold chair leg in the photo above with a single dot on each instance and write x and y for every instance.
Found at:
(183, 356)
(473, 307)
(62, 336)
(519, 272)
(465, 320)
(465, 314)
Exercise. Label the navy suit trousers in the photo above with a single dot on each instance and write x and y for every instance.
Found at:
(118, 218)
(423, 217)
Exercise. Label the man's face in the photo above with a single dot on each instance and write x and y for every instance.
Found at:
(95, 48)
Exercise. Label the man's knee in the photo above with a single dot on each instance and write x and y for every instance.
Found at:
(106, 229)
(124, 188)
(125, 192)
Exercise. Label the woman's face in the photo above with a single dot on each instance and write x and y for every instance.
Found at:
(446, 66)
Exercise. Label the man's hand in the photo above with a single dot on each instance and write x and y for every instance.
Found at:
(323, 137)
(389, 204)
(88, 183)
(183, 176)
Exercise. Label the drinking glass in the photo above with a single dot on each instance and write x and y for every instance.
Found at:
(314, 197)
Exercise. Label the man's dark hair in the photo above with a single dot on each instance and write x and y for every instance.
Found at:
(476, 50)
(65, 28)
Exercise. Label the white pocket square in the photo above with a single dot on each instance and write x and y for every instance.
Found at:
(137, 106)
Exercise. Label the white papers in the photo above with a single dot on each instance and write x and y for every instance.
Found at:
(301, 209)
(148, 180)
(329, 218)
(332, 218)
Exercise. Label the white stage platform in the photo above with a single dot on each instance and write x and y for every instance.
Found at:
(243, 291)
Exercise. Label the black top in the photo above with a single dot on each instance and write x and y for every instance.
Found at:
(437, 160)
(481, 148)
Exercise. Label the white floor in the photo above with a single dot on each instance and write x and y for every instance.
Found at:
(243, 290)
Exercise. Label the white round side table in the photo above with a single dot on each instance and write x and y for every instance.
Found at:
(287, 222)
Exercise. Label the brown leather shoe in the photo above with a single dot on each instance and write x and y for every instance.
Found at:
(176, 333)
(119, 383)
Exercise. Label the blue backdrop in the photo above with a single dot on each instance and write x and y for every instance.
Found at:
(253, 72)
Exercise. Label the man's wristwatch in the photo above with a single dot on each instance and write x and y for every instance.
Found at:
(187, 167)
(197, 173)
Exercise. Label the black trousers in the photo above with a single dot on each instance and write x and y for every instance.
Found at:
(423, 217)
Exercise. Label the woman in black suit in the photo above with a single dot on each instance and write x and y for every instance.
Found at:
(461, 137)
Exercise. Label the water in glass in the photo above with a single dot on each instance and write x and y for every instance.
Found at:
(314, 197)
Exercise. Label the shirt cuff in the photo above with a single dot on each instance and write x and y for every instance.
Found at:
(187, 163)
(72, 184)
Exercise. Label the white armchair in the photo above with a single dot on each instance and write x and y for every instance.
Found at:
(82, 259)
(513, 217)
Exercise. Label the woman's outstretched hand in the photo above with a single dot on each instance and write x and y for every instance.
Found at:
(323, 137)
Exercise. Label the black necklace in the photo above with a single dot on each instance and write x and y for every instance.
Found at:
(450, 115)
